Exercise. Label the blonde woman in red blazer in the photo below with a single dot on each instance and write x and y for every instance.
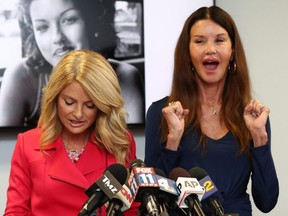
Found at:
(81, 131)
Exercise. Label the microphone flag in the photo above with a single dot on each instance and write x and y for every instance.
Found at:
(187, 186)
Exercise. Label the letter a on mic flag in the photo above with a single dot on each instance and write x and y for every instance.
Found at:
(188, 186)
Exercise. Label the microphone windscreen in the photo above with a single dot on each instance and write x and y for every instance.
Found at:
(159, 172)
(204, 179)
(178, 172)
(191, 191)
(119, 172)
(198, 173)
(136, 163)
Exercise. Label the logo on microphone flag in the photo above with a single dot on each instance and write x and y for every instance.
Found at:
(109, 184)
(187, 186)
(142, 177)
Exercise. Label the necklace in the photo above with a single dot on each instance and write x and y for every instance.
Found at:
(74, 145)
(214, 111)
(74, 155)
(74, 151)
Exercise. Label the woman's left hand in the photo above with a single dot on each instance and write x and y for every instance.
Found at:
(255, 116)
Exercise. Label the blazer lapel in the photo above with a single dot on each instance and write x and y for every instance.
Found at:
(93, 160)
(63, 169)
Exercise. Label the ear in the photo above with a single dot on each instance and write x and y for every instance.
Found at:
(232, 55)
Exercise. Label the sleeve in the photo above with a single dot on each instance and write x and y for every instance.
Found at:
(19, 189)
(155, 153)
(265, 186)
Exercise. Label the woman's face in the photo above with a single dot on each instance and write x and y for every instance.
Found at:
(58, 29)
(76, 110)
(210, 51)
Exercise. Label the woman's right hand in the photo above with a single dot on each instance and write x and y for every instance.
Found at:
(174, 115)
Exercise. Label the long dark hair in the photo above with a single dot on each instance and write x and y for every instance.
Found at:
(236, 92)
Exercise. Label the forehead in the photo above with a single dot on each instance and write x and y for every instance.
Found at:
(76, 91)
(207, 27)
(73, 87)
(43, 9)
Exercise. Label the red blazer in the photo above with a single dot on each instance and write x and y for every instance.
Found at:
(50, 184)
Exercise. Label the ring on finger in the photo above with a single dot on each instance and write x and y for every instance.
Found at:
(171, 103)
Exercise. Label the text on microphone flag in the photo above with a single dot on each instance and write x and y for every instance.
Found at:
(145, 176)
(167, 185)
(110, 185)
(124, 194)
(187, 186)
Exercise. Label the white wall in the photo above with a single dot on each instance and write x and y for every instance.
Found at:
(263, 25)
(163, 22)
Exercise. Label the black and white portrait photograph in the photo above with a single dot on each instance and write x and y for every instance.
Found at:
(36, 34)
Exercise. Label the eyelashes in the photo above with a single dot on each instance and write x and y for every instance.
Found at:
(89, 105)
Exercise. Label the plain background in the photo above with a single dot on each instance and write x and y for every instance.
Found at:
(263, 26)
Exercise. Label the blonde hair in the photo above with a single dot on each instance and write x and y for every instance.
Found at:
(100, 82)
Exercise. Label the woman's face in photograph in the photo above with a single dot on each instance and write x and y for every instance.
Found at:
(58, 29)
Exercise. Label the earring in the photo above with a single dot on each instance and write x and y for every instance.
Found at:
(232, 67)
(192, 68)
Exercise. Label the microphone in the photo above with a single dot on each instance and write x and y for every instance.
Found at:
(168, 195)
(120, 202)
(212, 197)
(104, 188)
(143, 186)
(136, 163)
(191, 192)
(114, 210)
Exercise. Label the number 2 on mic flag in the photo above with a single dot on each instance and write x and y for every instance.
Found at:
(210, 188)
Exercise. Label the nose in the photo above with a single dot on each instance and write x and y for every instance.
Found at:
(58, 36)
(210, 49)
(78, 112)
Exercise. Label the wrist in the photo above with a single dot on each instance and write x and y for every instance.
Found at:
(260, 138)
(173, 142)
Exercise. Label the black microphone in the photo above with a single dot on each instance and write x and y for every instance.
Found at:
(190, 189)
(120, 202)
(114, 207)
(162, 198)
(136, 163)
(143, 186)
(212, 197)
(104, 188)
(168, 195)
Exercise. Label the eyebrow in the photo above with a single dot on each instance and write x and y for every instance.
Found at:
(220, 34)
(223, 34)
(61, 14)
